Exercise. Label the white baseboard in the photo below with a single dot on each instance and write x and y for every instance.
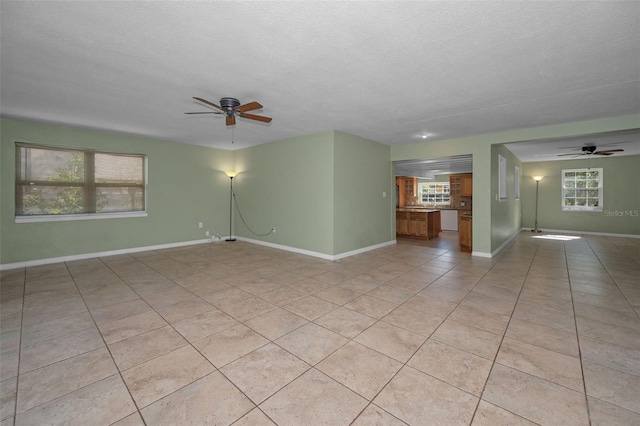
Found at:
(482, 254)
(315, 253)
(499, 249)
(71, 258)
(601, 234)
(364, 249)
(83, 256)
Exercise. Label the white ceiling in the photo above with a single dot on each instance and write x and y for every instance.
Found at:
(387, 71)
(571, 148)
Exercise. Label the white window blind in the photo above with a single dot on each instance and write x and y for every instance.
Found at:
(54, 181)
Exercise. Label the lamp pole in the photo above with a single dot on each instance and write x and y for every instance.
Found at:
(537, 179)
(231, 176)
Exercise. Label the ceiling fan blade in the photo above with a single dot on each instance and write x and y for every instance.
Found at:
(608, 151)
(249, 107)
(255, 117)
(231, 120)
(206, 112)
(207, 102)
(575, 155)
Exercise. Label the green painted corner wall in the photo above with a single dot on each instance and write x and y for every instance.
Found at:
(621, 197)
(506, 215)
(322, 192)
(185, 186)
(362, 173)
(288, 184)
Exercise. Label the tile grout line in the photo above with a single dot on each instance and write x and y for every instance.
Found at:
(502, 340)
(24, 291)
(135, 404)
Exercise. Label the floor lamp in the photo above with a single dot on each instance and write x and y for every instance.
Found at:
(231, 176)
(537, 179)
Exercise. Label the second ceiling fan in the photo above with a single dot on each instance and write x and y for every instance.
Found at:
(592, 150)
(231, 107)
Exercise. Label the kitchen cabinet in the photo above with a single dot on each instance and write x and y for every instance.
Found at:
(424, 224)
(407, 189)
(461, 185)
(465, 233)
(402, 223)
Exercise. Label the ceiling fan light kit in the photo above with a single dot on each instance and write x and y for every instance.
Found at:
(231, 107)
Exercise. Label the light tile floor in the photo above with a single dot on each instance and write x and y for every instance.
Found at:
(547, 332)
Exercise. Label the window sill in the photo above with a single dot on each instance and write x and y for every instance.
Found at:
(582, 209)
(67, 217)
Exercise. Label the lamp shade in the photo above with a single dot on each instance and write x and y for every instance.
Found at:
(231, 174)
(538, 178)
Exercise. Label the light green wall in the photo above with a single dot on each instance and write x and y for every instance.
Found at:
(480, 148)
(294, 184)
(506, 218)
(362, 172)
(186, 186)
(323, 192)
(621, 194)
(288, 184)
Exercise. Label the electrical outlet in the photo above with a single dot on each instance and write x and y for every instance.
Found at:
(200, 225)
(208, 234)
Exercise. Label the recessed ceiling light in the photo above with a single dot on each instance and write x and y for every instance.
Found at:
(423, 136)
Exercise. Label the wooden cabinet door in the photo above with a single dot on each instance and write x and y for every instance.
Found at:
(467, 186)
(402, 223)
(418, 224)
(465, 234)
(455, 185)
(410, 187)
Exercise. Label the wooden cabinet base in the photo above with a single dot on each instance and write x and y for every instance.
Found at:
(418, 224)
(465, 233)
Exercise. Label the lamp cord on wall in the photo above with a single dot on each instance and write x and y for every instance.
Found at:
(245, 223)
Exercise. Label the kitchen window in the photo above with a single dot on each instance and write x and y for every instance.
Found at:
(582, 190)
(436, 193)
(65, 183)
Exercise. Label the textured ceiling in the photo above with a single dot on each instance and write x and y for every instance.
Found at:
(386, 71)
(571, 148)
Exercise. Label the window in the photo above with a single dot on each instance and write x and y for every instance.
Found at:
(502, 177)
(434, 193)
(516, 182)
(582, 190)
(57, 182)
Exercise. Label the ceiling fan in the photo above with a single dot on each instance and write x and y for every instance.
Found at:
(231, 107)
(591, 150)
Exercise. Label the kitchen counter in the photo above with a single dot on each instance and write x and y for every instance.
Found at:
(417, 209)
(429, 207)
(418, 223)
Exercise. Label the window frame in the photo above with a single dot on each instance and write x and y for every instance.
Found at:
(516, 182)
(502, 178)
(88, 184)
(435, 184)
(600, 188)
